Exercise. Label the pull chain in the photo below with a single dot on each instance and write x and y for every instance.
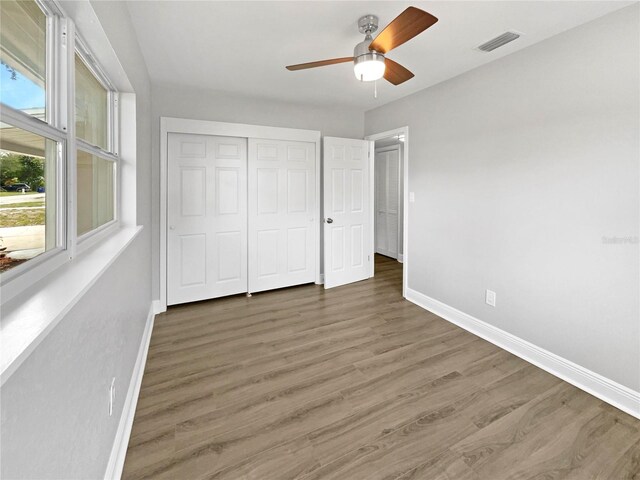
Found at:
(375, 89)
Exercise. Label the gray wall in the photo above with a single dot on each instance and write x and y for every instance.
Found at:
(55, 422)
(519, 169)
(186, 102)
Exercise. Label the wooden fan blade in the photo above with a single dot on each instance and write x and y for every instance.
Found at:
(403, 28)
(322, 63)
(396, 73)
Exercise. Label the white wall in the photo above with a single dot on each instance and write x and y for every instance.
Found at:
(520, 168)
(183, 102)
(55, 421)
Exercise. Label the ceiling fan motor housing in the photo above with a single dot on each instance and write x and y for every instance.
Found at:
(363, 47)
(366, 56)
(361, 53)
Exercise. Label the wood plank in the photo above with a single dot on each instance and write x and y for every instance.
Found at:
(355, 382)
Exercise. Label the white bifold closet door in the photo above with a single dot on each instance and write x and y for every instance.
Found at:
(387, 192)
(207, 217)
(283, 227)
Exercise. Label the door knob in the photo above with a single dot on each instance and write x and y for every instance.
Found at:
(329, 220)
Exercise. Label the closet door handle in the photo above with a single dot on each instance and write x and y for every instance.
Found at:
(329, 220)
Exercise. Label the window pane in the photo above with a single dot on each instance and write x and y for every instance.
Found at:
(91, 107)
(22, 56)
(95, 192)
(27, 196)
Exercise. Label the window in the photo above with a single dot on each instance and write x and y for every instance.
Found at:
(96, 162)
(96, 179)
(28, 207)
(52, 197)
(92, 105)
(30, 148)
(23, 57)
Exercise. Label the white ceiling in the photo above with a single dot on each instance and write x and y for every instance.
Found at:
(243, 47)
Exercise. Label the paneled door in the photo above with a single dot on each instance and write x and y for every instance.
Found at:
(387, 193)
(207, 217)
(283, 223)
(347, 211)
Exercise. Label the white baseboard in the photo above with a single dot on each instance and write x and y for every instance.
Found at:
(158, 307)
(605, 389)
(400, 258)
(321, 282)
(121, 442)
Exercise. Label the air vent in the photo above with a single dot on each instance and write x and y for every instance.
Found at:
(498, 41)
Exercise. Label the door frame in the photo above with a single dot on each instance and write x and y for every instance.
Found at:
(405, 197)
(225, 129)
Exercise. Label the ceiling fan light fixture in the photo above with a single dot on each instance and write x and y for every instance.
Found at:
(369, 58)
(369, 67)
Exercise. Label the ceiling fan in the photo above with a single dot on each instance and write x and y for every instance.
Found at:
(369, 61)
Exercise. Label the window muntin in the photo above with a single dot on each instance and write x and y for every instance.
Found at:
(28, 205)
(92, 107)
(23, 49)
(96, 188)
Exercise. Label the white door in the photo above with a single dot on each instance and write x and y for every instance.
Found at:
(207, 217)
(387, 193)
(282, 214)
(347, 211)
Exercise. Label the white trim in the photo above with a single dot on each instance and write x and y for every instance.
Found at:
(50, 7)
(224, 129)
(95, 150)
(372, 208)
(24, 276)
(121, 441)
(20, 119)
(157, 308)
(71, 154)
(605, 389)
(243, 130)
(319, 220)
(405, 201)
(400, 258)
(92, 237)
(92, 64)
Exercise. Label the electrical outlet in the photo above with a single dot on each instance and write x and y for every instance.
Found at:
(412, 197)
(112, 395)
(490, 298)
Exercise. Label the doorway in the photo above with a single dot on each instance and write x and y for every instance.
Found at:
(388, 198)
(391, 195)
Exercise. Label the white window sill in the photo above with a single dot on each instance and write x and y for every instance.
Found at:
(28, 318)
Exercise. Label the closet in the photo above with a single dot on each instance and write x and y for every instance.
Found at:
(241, 215)
(388, 201)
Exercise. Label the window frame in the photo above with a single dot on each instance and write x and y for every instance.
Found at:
(89, 238)
(62, 45)
(26, 122)
(112, 100)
